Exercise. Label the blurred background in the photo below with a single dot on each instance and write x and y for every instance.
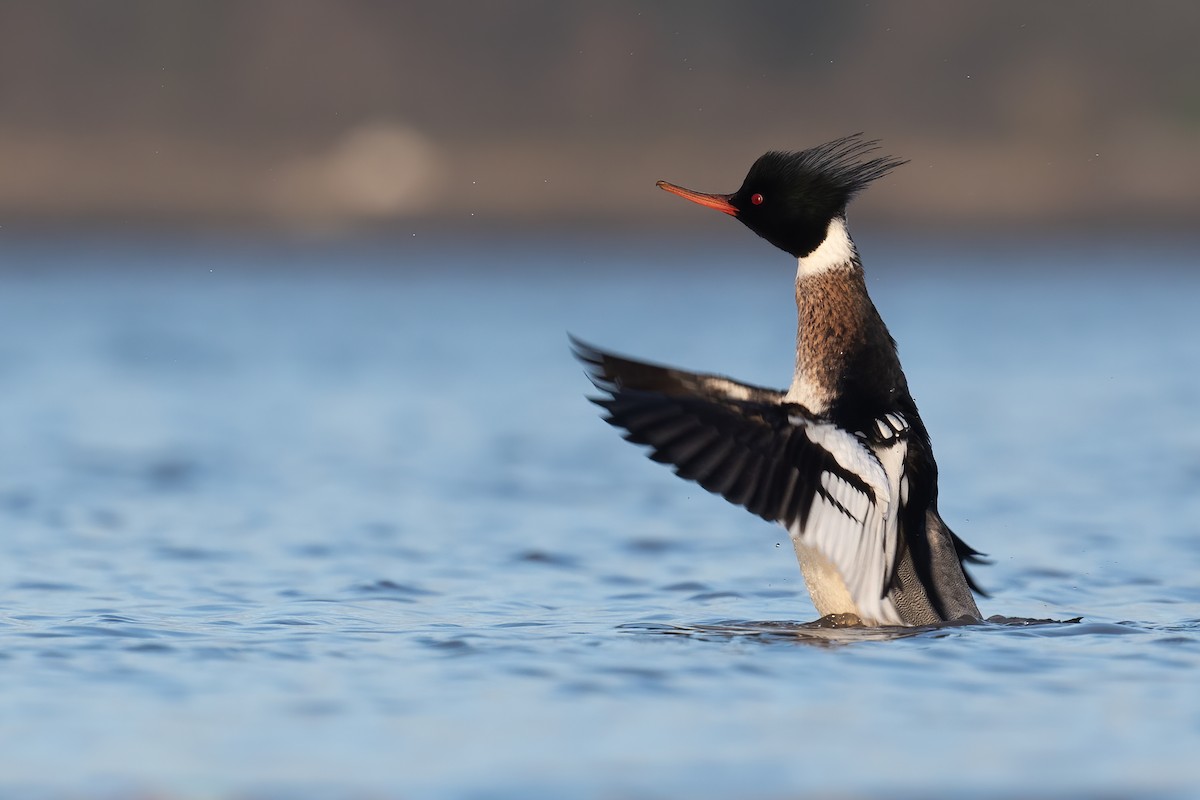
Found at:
(294, 115)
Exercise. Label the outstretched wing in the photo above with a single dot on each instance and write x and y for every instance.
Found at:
(832, 489)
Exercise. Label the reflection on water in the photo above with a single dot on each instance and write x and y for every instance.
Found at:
(829, 631)
(338, 522)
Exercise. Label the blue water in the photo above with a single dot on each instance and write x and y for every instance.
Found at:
(334, 520)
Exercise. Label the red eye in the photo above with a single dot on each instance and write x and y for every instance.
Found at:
(756, 199)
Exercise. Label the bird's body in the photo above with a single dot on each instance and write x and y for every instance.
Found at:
(841, 458)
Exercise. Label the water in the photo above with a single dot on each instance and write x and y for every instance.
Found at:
(335, 521)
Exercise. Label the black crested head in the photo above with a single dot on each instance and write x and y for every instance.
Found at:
(789, 198)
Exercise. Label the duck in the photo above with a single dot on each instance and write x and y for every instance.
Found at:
(841, 458)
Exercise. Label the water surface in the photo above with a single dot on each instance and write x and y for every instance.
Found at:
(335, 521)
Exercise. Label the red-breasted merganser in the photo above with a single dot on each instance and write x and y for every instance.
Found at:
(841, 459)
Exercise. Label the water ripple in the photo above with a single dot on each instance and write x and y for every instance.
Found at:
(277, 529)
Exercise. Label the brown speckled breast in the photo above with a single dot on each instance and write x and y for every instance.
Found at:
(831, 307)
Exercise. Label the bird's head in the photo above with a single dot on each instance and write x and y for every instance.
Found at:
(789, 198)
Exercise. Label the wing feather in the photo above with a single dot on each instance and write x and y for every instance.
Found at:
(835, 490)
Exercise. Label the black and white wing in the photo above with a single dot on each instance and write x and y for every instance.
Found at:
(834, 490)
